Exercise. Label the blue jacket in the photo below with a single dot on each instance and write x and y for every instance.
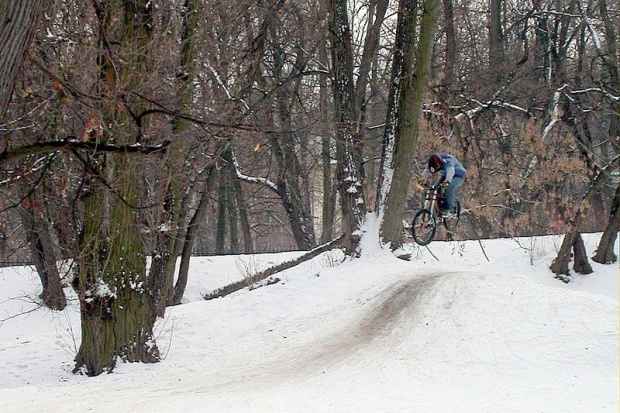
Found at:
(451, 168)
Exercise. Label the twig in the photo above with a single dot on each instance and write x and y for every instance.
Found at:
(431, 252)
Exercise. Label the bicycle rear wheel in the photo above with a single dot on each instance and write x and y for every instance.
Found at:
(452, 220)
(423, 227)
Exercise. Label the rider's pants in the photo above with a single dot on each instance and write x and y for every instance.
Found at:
(455, 183)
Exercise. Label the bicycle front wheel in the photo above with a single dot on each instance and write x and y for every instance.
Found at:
(423, 227)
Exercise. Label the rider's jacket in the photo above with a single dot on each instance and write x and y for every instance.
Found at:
(451, 168)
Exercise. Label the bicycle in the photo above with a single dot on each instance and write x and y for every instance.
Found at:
(424, 225)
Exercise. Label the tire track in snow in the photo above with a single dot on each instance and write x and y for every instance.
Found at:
(394, 307)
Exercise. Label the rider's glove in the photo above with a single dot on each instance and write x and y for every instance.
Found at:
(421, 182)
(445, 184)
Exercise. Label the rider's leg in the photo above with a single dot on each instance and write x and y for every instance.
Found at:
(456, 182)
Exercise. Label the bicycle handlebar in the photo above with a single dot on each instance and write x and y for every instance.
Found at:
(429, 186)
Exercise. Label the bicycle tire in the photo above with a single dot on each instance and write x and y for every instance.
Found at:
(452, 222)
(423, 227)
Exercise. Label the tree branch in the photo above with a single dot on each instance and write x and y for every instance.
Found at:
(73, 144)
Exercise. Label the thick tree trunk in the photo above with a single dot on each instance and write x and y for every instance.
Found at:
(116, 310)
(398, 162)
(116, 305)
(18, 24)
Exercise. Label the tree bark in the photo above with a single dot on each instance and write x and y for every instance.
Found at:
(398, 163)
(18, 25)
(605, 253)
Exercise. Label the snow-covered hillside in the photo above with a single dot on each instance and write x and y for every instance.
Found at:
(450, 331)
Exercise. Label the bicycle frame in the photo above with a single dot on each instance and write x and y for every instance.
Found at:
(433, 197)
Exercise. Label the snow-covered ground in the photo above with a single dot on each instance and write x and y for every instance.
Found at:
(447, 332)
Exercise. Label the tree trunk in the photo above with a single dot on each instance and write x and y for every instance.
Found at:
(232, 213)
(496, 46)
(170, 234)
(241, 203)
(43, 255)
(190, 235)
(18, 25)
(398, 163)
(349, 172)
(542, 59)
(329, 196)
(116, 306)
(449, 69)
(116, 310)
(220, 232)
(605, 253)
(243, 217)
(559, 266)
(370, 47)
(580, 263)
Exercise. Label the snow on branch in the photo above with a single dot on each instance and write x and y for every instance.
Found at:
(595, 37)
(596, 90)
(495, 103)
(555, 112)
(221, 84)
(251, 179)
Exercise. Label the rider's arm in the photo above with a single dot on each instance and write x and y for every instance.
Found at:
(449, 173)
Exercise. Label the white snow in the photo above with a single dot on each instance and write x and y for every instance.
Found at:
(375, 334)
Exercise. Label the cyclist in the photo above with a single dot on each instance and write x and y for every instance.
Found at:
(452, 176)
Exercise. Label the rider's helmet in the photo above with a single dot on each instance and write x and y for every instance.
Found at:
(434, 163)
